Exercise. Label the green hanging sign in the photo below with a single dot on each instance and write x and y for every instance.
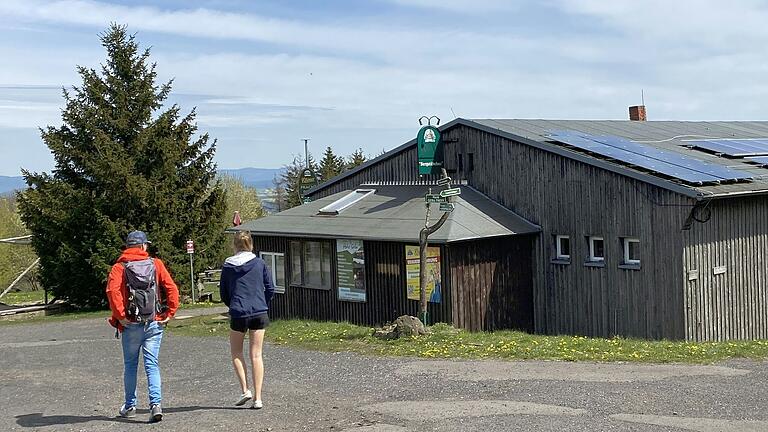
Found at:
(429, 150)
(307, 181)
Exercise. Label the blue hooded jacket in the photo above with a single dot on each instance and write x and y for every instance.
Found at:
(246, 285)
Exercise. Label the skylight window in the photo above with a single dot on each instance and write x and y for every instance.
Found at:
(340, 204)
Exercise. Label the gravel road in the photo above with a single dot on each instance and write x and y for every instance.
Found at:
(68, 376)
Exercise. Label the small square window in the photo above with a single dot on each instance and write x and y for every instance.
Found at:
(596, 249)
(562, 248)
(631, 248)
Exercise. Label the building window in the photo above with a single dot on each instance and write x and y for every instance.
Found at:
(461, 162)
(311, 264)
(470, 162)
(596, 249)
(276, 265)
(562, 248)
(631, 247)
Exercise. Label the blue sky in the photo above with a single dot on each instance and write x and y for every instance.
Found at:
(265, 74)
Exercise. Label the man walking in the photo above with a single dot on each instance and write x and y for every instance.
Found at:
(143, 297)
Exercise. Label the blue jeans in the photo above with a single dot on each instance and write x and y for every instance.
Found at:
(144, 338)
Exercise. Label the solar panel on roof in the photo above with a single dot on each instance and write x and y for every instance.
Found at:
(716, 170)
(733, 147)
(681, 167)
(761, 160)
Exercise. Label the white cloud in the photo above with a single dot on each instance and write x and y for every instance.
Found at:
(350, 84)
(731, 25)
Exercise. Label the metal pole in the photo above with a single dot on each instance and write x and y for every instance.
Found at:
(423, 235)
(306, 153)
(192, 276)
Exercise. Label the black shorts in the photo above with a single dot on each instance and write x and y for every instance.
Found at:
(258, 322)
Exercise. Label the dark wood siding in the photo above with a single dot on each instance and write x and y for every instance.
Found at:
(386, 297)
(491, 282)
(732, 304)
(572, 198)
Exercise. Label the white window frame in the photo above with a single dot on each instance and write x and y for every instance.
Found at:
(273, 268)
(558, 248)
(592, 257)
(625, 242)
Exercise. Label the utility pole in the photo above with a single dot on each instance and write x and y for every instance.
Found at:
(306, 152)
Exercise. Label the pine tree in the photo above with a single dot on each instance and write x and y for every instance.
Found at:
(357, 158)
(331, 165)
(122, 164)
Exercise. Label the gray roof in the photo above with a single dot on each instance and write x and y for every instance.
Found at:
(395, 213)
(665, 135)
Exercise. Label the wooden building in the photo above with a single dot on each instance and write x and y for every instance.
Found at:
(641, 229)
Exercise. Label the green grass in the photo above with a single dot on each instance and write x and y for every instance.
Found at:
(73, 315)
(23, 297)
(446, 342)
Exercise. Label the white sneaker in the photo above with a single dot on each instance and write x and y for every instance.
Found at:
(127, 412)
(257, 404)
(245, 397)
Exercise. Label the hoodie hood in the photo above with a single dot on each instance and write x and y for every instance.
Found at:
(239, 259)
(133, 254)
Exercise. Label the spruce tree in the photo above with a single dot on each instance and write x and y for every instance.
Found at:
(330, 165)
(357, 158)
(122, 163)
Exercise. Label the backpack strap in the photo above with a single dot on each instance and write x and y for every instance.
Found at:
(160, 290)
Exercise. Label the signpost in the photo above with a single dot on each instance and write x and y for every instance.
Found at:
(435, 198)
(450, 192)
(307, 181)
(430, 158)
(191, 252)
(307, 178)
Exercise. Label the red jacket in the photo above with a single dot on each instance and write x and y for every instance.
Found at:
(117, 291)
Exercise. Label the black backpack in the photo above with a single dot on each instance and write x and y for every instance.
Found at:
(141, 279)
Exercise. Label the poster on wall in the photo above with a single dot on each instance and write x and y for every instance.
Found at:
(350, 259)
(412, 267)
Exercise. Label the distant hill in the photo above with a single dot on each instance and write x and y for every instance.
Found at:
(260, 178)
(10, 184)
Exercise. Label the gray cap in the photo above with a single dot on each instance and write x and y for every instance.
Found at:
(136, 238)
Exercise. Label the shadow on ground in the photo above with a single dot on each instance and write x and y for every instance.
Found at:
(40, 420)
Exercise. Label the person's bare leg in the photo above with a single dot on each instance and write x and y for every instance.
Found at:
(257, 363)
(238, 362)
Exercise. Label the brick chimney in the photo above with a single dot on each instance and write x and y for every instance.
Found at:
(637, 113)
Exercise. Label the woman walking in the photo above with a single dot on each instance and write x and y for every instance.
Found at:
(246, 288)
